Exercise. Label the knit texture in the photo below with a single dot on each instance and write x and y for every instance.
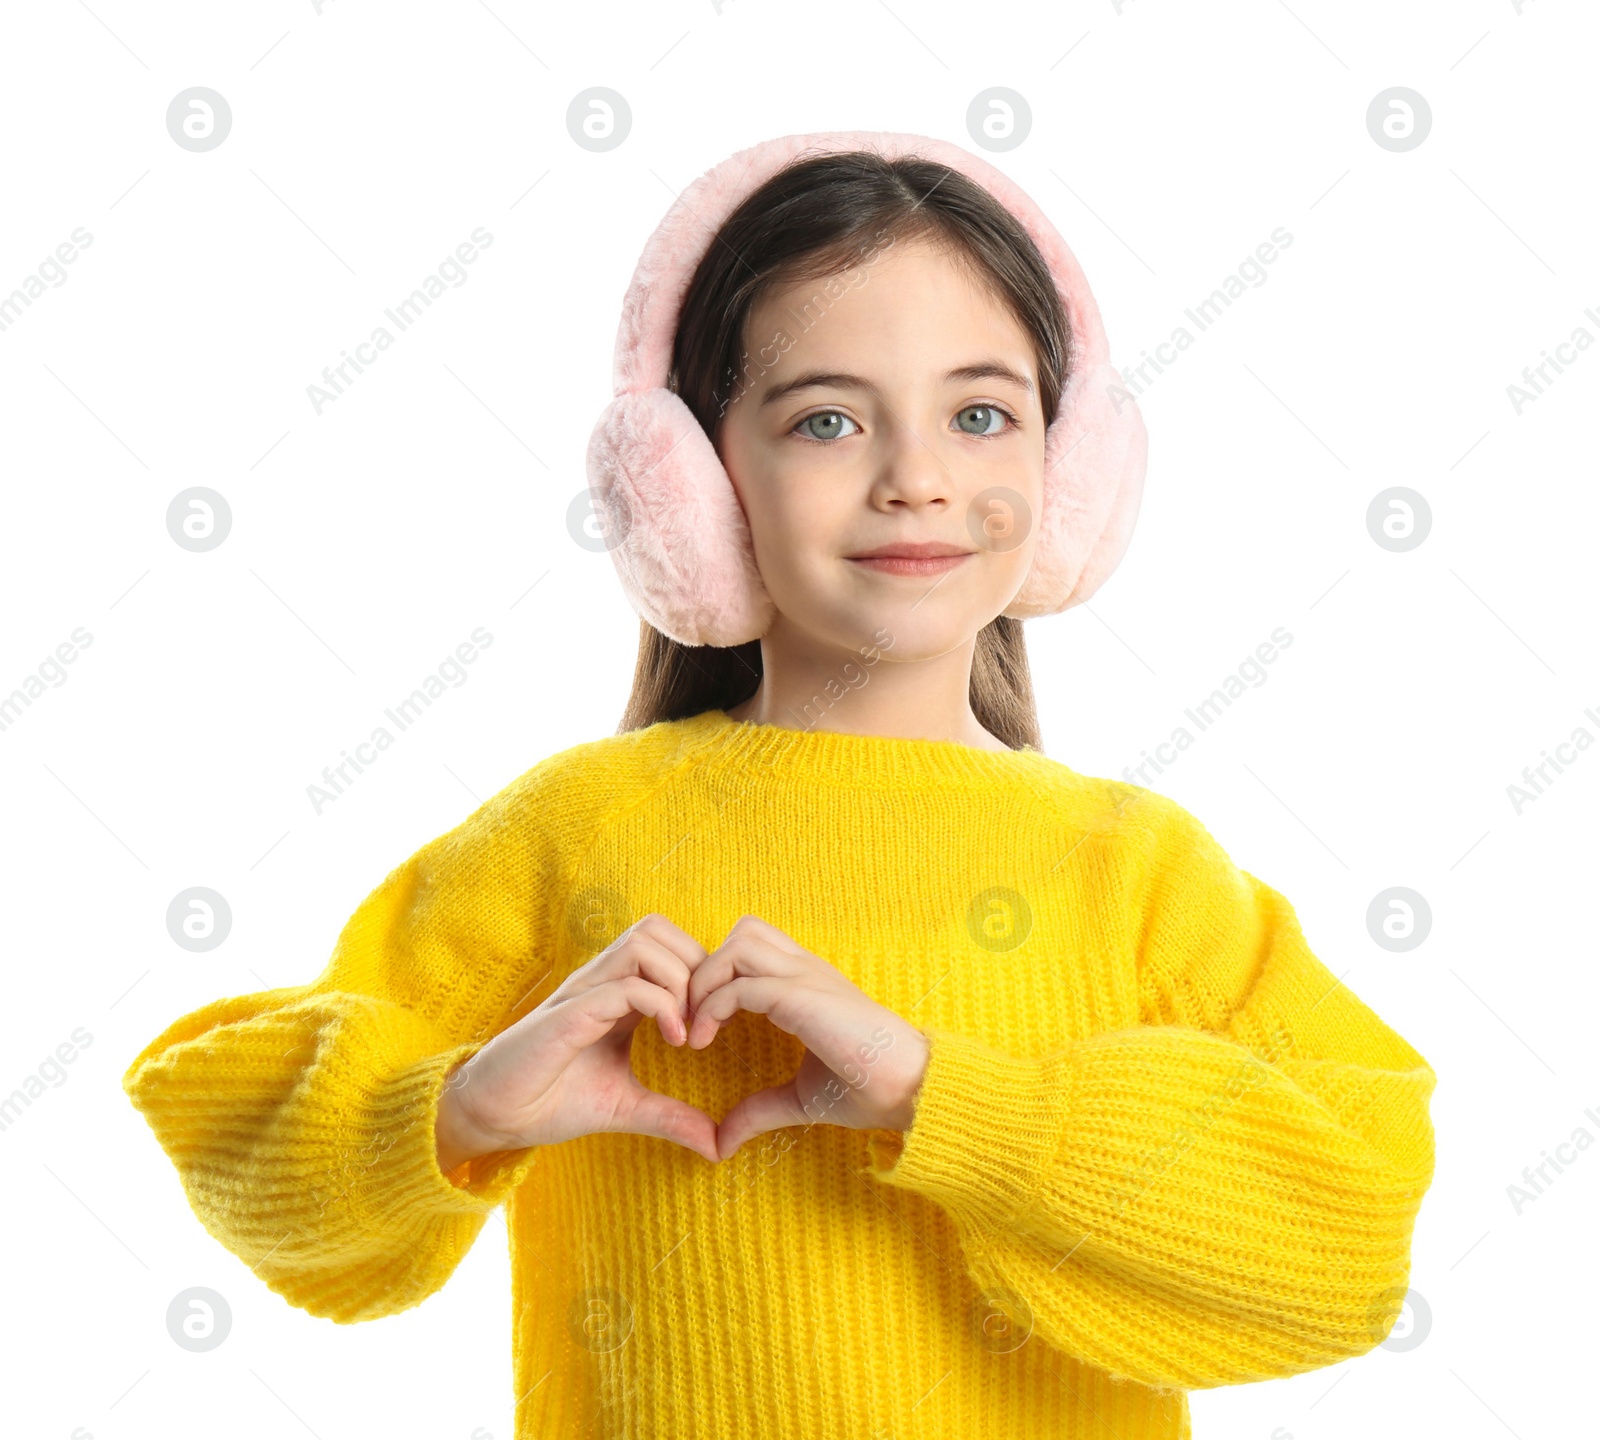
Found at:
(1158, 1146)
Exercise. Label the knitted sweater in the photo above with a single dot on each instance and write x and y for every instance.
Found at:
(1158, 1145)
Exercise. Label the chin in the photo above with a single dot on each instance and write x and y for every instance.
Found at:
(912, 636)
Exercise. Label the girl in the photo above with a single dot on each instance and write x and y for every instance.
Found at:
(982, 1097)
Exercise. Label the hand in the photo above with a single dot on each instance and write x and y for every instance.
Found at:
(563, 1069)
(863, 1064)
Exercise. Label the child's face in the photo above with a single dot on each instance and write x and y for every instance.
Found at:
(907, 452)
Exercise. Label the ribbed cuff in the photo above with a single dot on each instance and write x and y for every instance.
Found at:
(985, 1126)
(404, 1156)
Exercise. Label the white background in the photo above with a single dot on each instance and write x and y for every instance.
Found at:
(369, 541)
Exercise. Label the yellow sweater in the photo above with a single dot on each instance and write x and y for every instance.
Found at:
(1158, 1145)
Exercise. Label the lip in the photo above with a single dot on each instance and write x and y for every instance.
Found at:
(910, 564)
(929, 557)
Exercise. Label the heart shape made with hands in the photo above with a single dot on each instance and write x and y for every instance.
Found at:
(863, 1064)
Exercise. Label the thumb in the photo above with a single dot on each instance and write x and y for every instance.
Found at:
(668, 1118)
(770, 1109)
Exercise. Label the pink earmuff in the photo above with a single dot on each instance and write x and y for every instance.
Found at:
(675, 528)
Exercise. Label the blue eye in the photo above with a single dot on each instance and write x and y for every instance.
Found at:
(981, 418)
(829, 429)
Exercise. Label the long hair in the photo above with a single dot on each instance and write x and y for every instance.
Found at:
(813, 219)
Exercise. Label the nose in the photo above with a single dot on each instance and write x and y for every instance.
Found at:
(910, 470)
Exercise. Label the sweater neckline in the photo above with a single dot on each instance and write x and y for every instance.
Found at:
(843, 758)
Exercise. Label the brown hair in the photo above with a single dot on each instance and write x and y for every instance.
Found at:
(813, 219)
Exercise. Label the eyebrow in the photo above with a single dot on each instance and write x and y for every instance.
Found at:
(843, 380)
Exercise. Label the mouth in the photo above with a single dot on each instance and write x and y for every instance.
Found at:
(929, 558)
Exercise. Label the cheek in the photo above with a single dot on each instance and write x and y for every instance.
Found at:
(1006, 502)
(803, 519)
(746, 474)
(788, 506)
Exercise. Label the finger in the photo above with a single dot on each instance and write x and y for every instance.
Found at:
(764, 930)
(596, 1011)
(746, 951)
(653, 930)
(670, 934)
(652, 960)
(756, 1114)
(653, 947)
(756, 993)
(670, 1119)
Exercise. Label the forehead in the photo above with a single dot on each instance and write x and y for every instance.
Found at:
(912, 297)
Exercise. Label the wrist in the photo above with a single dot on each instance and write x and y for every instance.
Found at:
(457, 1137)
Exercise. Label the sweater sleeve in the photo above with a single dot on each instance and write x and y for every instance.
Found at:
(301, 1120)
(1225, 1192)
